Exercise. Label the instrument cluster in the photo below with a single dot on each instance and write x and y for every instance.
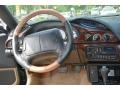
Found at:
(96, 37)
(99, 37)
(93, 32)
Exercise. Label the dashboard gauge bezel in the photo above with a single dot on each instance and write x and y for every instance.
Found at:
(100, 37)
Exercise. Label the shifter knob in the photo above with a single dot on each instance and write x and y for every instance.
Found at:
(104, 72)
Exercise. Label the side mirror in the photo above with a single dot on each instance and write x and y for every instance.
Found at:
(2, 27)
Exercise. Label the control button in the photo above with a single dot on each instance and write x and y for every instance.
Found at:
(100, 56)
(103, 57)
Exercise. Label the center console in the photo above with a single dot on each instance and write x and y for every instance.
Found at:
(103, 64)
(101, 52)
(104, 73)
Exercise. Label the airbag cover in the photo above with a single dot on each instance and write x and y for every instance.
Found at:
(43, 41)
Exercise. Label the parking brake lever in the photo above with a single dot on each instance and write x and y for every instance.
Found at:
(104, 72)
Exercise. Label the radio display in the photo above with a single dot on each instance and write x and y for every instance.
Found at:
(103, 53)
(109, 50)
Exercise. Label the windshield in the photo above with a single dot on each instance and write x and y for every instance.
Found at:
(69, 11)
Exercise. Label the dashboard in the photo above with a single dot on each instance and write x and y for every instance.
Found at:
(102, 51)
(97, 41)
(95, 45)
(90, 37)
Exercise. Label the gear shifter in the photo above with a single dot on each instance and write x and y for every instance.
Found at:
(104, 72)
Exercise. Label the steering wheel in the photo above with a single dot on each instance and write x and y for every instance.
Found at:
(45, 41)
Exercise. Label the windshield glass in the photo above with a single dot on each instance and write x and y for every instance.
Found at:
(19, 11)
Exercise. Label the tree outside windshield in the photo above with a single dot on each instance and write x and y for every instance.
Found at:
(68, 11)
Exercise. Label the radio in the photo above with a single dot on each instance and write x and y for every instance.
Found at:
(101, 53)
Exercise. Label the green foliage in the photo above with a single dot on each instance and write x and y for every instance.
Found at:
(12, 9)
(78, 9)
(60, 8)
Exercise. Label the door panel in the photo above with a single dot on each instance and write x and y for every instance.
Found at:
(8, 68)
(5, 62)
(8, 76)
